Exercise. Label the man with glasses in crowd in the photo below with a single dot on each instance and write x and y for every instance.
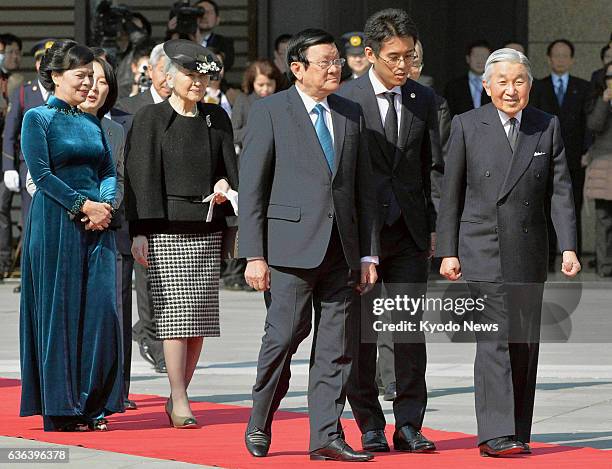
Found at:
(401, 118)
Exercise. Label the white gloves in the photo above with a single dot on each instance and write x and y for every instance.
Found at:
(11, 180)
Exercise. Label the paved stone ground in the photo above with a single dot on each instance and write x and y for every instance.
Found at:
(573, 403)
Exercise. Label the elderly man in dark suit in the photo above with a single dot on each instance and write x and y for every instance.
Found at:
(466, 92)
(506, 168)
(568, 98)
(401, 118)
(305, 218)
(123, 113)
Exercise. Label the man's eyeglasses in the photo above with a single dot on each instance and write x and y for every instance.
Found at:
(327, 64)
(395, 61)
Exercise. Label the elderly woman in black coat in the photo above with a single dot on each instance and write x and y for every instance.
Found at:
(179, 152)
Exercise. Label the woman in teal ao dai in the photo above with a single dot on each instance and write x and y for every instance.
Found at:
(69, 330)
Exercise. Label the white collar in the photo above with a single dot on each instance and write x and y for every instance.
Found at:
(310, 103)
(379, 88)
(473, 75)
(43, 91)
(156, 97)
(564, 77)
(505, 117)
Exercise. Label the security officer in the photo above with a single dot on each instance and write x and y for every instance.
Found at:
(353, 44)
(26, 96)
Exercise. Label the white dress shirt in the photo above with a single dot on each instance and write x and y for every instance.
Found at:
(156, 97)
(505, 120)
(310, 104)
(43, 91)
(383, 104)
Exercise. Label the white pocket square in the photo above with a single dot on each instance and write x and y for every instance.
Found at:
(539, 153)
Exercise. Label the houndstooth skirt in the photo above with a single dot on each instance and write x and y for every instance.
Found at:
(184, 275)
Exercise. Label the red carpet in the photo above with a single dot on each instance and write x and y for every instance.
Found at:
(145, 432)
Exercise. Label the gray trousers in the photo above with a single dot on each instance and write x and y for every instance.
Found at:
(290, 302)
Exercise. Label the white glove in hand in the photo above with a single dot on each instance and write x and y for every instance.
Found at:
(11, 180)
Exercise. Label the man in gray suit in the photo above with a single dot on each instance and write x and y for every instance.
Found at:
(143, 331)
(305, 219)
(506, 166)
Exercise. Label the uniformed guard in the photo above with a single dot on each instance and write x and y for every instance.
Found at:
(28, 95)
(354, 51)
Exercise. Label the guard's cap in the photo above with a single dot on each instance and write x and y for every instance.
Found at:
(353, 43)
(40, 47)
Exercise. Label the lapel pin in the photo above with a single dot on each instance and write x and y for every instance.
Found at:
(208, 122)
(412, 95)
(34, 88)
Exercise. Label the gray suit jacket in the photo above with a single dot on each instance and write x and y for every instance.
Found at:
(289, 199)
(494, 203)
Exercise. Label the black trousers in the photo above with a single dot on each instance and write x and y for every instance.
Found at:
(403, 270)
(506, 363)
(125, 267)
(603, 236)
(290, 300)
(145, 329)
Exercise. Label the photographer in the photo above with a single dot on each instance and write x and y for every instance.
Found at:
(120, 31)
(140, 66)
(208, 38)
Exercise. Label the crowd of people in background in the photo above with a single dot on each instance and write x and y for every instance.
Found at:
(150, 89)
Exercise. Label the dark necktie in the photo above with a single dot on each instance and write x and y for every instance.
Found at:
(513, 133)
(559, 92)
(393, 212)
(391, 120)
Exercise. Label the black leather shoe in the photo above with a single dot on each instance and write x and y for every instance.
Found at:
(160, 366)
(145, 351)
(129, 404)
(375, 441)
(390, 392)
(502, 446)
(257, 442)
(526, 448)
(339, 450)
(412, 440)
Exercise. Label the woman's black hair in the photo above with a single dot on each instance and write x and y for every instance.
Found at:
(111, 81)
(62, 56)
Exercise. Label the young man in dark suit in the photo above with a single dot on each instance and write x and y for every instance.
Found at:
(306, 217)
(505, 169)
(466, 92)
(566, 97)
(401, 119)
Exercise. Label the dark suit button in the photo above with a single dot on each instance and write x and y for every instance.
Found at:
(526, 203)
(538, 175)
(487, 173)
(330, 215)
(500, 203)
(525, 230)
